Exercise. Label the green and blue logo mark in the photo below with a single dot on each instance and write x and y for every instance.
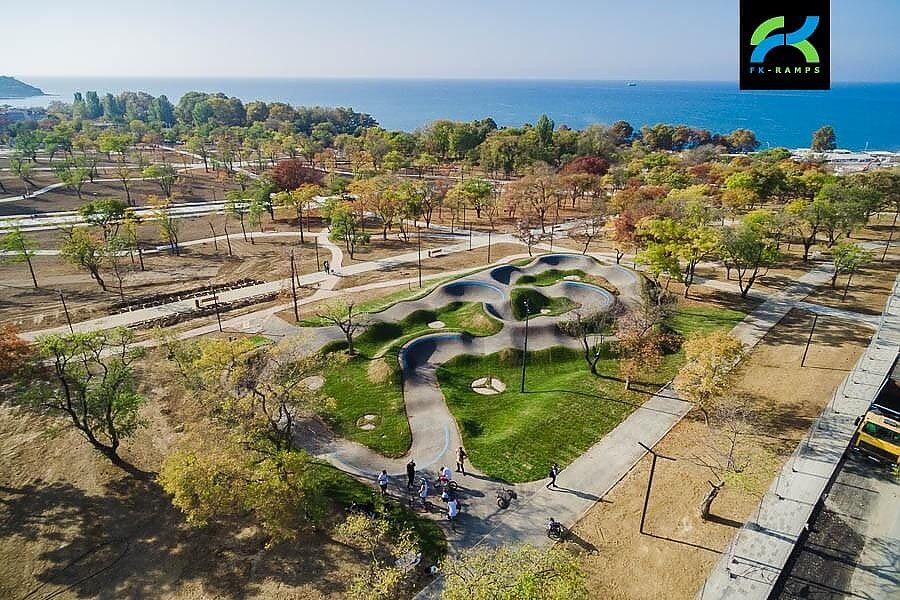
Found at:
(764, 41)
(785, 47)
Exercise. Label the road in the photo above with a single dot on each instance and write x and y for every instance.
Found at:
(853, 547)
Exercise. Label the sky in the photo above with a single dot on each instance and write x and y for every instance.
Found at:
(563, 39)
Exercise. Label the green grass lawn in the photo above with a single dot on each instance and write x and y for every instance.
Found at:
(565, 410)
(370, 382)
(457, 316)
(537, 302)
(550, 277)
(356, 392)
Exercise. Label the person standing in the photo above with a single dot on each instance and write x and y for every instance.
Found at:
(383, 482)
(461, 460)
(452, 512)
(554, 471)
(410, 474)
(326, 267)
(423, 493)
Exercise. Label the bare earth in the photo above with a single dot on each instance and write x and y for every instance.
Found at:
(673, 559)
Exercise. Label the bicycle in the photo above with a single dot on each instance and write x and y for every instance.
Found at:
(505, 497)
(556, 531)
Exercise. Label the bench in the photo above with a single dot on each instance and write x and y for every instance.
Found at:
(435, 252)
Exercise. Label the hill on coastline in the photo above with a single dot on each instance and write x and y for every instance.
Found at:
(11, 87)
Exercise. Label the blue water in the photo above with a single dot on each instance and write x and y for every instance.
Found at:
(861, 113)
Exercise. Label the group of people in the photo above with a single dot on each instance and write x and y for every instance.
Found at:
(445, 477)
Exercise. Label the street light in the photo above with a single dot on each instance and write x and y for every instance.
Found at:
(525, 349)
(419, 241)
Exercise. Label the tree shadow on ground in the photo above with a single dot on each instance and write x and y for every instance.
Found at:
(130, 542)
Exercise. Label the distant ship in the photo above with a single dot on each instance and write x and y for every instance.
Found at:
(631, 84)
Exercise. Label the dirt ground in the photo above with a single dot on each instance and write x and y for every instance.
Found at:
(436, 265)
(675, 555)
(74, 526)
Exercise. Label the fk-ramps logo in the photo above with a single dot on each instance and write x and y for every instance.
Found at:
(785, 45)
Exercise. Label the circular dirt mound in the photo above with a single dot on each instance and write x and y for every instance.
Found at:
(488, 386)
(437, 325)
(367, 422)
(314, 382)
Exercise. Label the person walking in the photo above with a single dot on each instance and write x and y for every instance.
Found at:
(410, 474)
(461, 460)
(452, 512)
(423, 493)
(383, 480)
(554, 471)
(326, 267)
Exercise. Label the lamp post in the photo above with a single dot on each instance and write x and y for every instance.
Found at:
(419, 242)
(525, 348)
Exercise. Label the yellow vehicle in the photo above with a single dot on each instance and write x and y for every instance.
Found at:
(878, 431)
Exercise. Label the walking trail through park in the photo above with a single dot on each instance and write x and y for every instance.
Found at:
(434, 432)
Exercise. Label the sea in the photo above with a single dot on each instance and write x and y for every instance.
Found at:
(864, 115)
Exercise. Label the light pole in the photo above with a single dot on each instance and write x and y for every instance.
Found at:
(419, 242)
(525, 348)
(650, 481)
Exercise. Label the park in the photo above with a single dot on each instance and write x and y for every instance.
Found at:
(222, 324)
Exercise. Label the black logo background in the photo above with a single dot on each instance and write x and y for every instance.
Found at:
(754, 12)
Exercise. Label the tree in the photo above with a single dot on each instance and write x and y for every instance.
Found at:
(473, 192)
(513, 573)
(847, 257)
(592, 225)
(82, 249)
(125, 173)
(824, 139)
(252, 396)
(346, 316)
(73, 177)
(292, 173)
(726, 456)
(168, 223)
(668, 242)
(23, 170)
(298, 199)
(385, 542)
(117, 248)
(590, 165)
(89, 379)
(540, 192)
(164, 175)
(708, 371)
(807, 218)
(105, 213)
(590, 328)
(19, 249)
(639, 342)
(526, 234)
(750, 247)
(346, 226)
(14, 351)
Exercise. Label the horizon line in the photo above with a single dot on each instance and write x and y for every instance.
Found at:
(417, 78)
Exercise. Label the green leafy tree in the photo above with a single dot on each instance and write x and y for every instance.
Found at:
(89, 379)
(474, 192)
(847, 258)
(513, 573)
(824, 139)
(18, 248)
(23, 170)
(82, 249)
(167, 222)
(105, 213)
(676, 248)
(346, 226)
(73, 177)
(750, 248)
(164, 175)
